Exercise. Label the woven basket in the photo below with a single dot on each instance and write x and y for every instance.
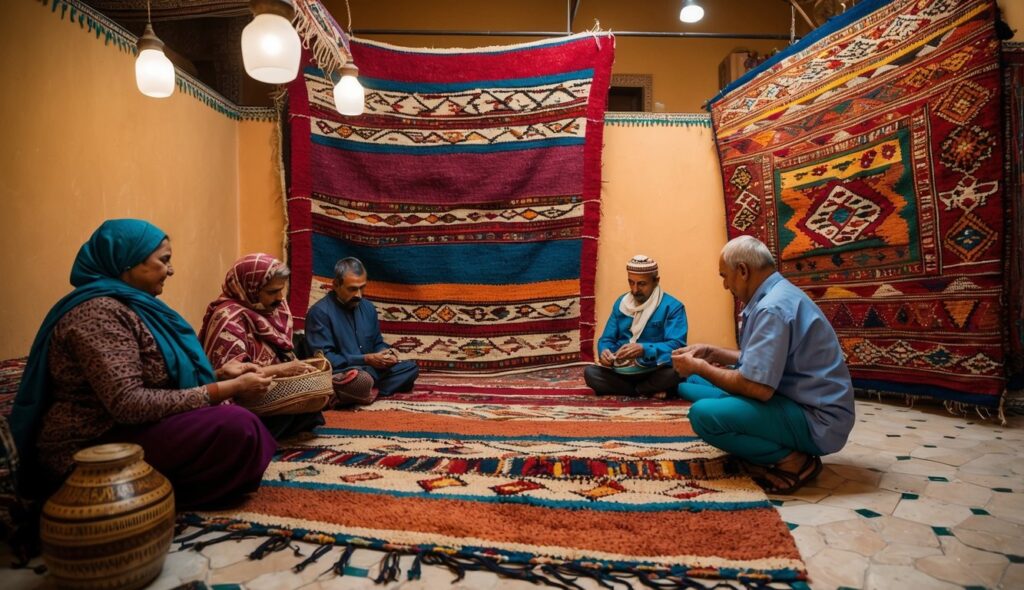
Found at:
(300, 394)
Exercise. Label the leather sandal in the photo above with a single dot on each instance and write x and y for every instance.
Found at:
(788, 482)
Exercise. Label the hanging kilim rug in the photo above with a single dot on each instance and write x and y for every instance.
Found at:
(868, 157)
(1013, 91)
(534, 487)
(470, 190)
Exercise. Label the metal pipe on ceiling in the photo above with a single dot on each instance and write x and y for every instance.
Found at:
(666, 34)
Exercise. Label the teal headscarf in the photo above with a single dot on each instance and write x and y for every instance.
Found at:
(118, 245)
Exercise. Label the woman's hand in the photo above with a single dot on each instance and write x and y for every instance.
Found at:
(248, 387)
(232, 369)
(289, 369)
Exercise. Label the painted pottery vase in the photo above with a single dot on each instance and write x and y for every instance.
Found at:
(111, 523)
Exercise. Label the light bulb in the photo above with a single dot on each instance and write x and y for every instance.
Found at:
(691, 12)
(154, 73)
(349, 96)
(271, 49)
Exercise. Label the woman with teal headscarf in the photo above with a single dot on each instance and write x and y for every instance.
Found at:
(112, 363)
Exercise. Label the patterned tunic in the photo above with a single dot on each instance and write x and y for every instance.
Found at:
(106, 370)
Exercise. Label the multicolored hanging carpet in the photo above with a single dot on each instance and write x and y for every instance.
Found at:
(470, 189)
(521, 482)
(868, 157)
(1013, 92)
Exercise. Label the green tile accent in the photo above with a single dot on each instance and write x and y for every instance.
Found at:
(961, 427)
(975, 588)
(911, 427)
(792, 525)
(846, 588)
(777, 502)
(947, 436)
(902, 457)
(909, 496)
(867, 513)
(801, 586)
(942, 531)
(893, 435)
(979, 511)
(1003, 490)
(938, 478)
(1015, 558)
(225, 587)
(930, 446)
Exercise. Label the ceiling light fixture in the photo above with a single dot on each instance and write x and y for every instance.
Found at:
(154, 73)
(270, 45)
(691, 12)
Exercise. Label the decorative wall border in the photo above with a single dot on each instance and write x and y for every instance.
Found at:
(88, 19)
(657, 120)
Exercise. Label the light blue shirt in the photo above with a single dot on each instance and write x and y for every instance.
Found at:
(665, 331)
(787, 344)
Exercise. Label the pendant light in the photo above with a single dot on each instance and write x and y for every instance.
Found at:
(691, 12)
(270, 46)
(349, 96)
(154, 73)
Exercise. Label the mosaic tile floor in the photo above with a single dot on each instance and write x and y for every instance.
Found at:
(918, 499)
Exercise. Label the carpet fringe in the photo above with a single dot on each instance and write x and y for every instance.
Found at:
(540, 570)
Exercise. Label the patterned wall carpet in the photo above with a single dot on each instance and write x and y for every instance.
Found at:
(469, 188)
(868, 157)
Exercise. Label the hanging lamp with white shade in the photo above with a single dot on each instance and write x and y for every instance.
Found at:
(270, 46)
(154, 73)
(349, 96)
(691, 12)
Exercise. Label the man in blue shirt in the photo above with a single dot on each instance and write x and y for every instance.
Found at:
(785, 398)
(344, 326)
(646, 325)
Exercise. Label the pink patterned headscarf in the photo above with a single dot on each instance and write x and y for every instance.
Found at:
(237, 327)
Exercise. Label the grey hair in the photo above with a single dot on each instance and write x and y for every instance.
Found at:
(348, 265)
(282, 273)
(748, 250)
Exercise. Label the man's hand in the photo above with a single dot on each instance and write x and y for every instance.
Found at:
(700, 351)
(381, 360)
(686, 363)
(607, 358)
(232, 369)
(630, 351)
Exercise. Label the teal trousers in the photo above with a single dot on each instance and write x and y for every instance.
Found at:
(760, 432)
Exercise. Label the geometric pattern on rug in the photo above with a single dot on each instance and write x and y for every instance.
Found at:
(470, 189)
(528, 488)
(868, 157)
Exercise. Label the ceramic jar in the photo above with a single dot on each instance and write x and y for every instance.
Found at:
(110, 525)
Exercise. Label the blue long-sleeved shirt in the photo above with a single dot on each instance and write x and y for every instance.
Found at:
(664, 332)
(344, 336)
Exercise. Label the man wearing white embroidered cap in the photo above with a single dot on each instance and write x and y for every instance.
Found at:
(635, 350)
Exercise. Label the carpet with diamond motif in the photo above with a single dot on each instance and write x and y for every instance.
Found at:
(531, 486)
(868, 157)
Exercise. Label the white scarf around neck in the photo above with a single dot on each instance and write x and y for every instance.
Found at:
(640, 313)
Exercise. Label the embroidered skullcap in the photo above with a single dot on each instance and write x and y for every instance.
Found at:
(641, 264)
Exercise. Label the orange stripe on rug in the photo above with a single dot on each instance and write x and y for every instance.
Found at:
(645, 534)
(401, 421)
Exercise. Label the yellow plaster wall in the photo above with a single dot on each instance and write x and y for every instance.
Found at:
(662, 196)
(261, 206)
(81, 145)
(685, 71)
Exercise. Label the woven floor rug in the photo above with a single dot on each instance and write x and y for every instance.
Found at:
(523, 484)
(868, 157)
(470, 189)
